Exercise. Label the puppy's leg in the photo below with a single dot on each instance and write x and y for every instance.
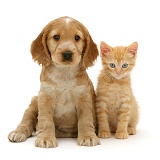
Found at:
(28, 123)
(86, 129)
(46, 128)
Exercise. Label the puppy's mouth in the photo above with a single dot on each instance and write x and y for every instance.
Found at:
(67, 59)
(61, 63)
(64, 63)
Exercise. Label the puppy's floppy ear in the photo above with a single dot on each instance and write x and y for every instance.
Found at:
(39, 49)
(90, 52)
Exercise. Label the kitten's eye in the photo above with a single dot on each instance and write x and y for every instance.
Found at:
(56, 37)
(112, 65)
(77, 37)
(125, 65)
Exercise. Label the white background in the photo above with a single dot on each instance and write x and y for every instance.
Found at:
(117, 22)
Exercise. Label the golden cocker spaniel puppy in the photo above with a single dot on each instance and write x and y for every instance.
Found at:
(65, 105)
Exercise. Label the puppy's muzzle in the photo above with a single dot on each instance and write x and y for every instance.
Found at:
(67, 55)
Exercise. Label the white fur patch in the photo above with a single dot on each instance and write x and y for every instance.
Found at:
(68, 20)
(66, 100)
(65, 92)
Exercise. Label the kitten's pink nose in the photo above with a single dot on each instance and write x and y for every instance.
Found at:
(118, 72)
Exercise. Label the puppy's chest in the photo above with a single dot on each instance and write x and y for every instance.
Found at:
(65, 94)
(66, 99)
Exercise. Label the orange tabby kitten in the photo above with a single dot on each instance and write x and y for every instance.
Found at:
(117, 109)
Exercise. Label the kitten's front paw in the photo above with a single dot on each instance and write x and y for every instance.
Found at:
(104, 134)
(16, 136)
(131, 130)
(46, 142)
(88, 140)
(121, 135)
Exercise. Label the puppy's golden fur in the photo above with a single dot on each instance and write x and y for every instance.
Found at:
(65, 104)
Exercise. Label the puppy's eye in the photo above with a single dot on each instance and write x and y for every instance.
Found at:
(77, 37)
(56, 37)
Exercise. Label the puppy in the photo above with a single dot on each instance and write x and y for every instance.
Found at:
(65, 105)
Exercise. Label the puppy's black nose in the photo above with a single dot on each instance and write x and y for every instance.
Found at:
(67, 55)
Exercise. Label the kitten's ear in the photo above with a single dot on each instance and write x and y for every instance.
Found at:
(132, 49)
(104, 48)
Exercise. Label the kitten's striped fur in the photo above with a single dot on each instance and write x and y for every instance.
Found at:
(117, 109)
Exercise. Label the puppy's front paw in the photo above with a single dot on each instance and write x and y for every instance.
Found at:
(121, 135)
(88, 140)
(16, 136)
(104, 134)
(46, 142)
(131, 130)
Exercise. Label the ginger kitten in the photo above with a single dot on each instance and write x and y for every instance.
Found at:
(117, 109)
